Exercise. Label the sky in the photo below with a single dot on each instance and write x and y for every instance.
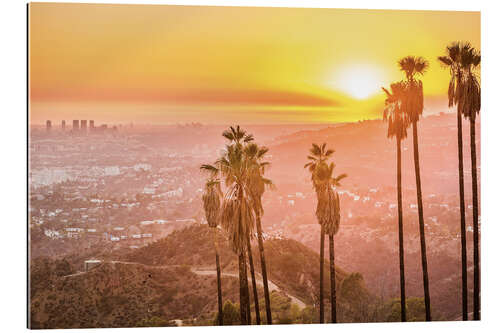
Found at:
(161, 64)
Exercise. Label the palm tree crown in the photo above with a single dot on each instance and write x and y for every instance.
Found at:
(470, 94)
(394, 111)
(211, 202)
(328, 208)
(318, 157)
(414, 101)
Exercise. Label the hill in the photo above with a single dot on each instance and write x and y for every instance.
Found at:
(171, 279)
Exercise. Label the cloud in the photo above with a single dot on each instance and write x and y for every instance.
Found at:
(271, 98)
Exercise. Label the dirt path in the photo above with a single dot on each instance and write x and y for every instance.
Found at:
(258, 280)
(201, 271)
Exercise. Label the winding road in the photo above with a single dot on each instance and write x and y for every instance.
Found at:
(201, 271)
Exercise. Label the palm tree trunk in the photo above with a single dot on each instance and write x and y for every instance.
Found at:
(463, 231)
(219, 285)
(401, 242)
(243, 288)
(475, 215)
(247, 292)
(333, 292)
(321, 264)
(264, 272)
(254, 284)
(423, 251)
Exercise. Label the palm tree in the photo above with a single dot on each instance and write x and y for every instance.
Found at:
(257, 185)
(452, 62)
(469, 103)
(237, 137)
(397, 125)
(328, 215)
(240, 206)
(318, 157)
(254, 284)
(236, 214)
(414, 106)
(211, 205)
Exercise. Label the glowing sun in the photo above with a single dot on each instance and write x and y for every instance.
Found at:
(359, 81)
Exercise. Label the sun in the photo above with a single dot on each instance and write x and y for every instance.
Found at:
(359, 81)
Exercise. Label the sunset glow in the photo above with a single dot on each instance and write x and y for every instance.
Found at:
(359, 81)
(164, 64)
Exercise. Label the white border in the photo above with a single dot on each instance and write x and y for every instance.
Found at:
(13, 181)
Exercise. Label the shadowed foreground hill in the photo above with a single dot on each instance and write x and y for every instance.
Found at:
(292, 266)
(172, 279)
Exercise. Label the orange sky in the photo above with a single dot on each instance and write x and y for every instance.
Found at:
(167, 64)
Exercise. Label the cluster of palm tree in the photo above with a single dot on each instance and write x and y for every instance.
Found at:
(328, 215)
(403, 107)
(464, 92)
(233, 200)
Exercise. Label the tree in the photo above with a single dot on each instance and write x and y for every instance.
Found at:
(452, 62)
(398, 123)
(327, 213)
(415, 309)
(237, 216)
(354, 296)
(211, 205)
(318, 155)
(413, 107)
(230, 312)
(469, 103)
(254, 284)
(257, 185)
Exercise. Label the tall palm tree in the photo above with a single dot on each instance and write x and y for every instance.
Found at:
(317, 158)
(236, 214)
(257, 185)
(398, 123)
(470, 105)
(328, 215)
(237, 137)
(414, 106)
(452, 62)
(211, 204)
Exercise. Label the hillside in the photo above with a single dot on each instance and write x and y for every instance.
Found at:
(162, 282)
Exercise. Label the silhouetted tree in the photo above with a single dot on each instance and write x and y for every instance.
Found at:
(237, 216)
(452, 62)
(327, 213)
(470, 105)
(257, 184)
(211, 204)
(398, 123)
(414, 106)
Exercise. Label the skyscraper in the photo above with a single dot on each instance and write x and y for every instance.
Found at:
(63, 125)
(48, 125)
(76, 125)
(83, 125)
(91, 124)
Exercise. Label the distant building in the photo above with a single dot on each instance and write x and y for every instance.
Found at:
(76, 125)
(91, 125)
(48, 125)
(89, 264)
(63, 125)
(112, 171)
(83, 125)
